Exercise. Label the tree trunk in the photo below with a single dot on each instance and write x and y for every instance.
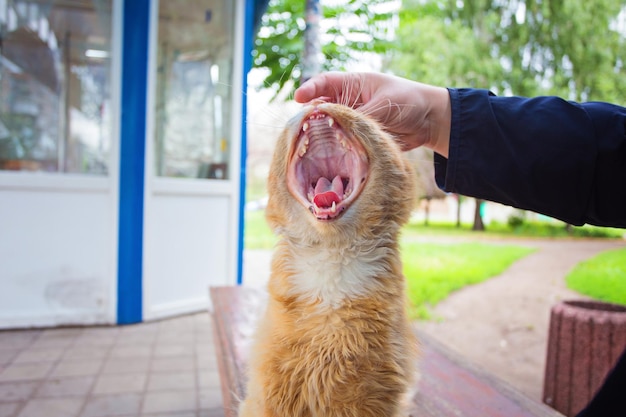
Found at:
(478, 218)
(311, 55)
(427, 212)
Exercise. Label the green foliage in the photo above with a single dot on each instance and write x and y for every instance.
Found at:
(529, 47)
(532, 229)
(434, 270)
(602, 277)
(554, 229)
(434, 49)
(351, 28)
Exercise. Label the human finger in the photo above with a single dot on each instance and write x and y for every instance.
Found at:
(328, 85)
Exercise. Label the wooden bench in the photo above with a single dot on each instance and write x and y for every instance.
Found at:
(448, 386)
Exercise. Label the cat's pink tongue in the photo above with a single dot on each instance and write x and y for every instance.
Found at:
(327, 193)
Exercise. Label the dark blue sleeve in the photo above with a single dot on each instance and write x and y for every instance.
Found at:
(563, 159)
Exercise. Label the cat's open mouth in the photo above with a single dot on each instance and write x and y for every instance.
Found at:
(328, 166)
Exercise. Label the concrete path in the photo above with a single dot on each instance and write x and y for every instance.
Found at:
(502, 324)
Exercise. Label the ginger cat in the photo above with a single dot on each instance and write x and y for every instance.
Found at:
(335, 340)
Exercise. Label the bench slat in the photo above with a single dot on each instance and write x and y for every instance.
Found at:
(448, 385)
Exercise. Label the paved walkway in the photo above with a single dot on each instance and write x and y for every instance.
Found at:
(168, 369)
(502, 324)
(158, 369)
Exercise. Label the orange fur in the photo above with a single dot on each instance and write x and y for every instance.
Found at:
(335, 339)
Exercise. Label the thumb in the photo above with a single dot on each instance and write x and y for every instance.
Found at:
(328, 84)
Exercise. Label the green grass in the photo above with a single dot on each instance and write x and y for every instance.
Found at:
(602, 277)
(257, 234)
(527, 229)
(434, 270)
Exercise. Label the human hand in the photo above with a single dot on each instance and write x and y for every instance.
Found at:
(416, 114)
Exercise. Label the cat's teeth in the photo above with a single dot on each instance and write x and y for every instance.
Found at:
(333, 208)
(305, 126)
(341, 140)
(302, 151)
(331, 122)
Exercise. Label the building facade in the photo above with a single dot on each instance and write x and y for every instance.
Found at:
(121, 157)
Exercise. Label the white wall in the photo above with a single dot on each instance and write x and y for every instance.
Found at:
(188, 246)
(57, 250)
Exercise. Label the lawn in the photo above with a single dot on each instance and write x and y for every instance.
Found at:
(434, 270)
(602, 277)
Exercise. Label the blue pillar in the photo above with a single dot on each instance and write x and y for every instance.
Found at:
(251, 6)
(136, 24)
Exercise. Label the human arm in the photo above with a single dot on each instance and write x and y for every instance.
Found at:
(560, 158)
(563, 159)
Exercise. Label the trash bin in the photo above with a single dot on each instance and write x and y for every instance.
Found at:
(585, 340)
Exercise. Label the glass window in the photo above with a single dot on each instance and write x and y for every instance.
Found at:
(54, 85)
(193, 88)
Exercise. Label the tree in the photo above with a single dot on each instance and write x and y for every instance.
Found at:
(567, 48)
(311, 55)
(349, 29)
(427, 190)
(521, 47)
(434, 49)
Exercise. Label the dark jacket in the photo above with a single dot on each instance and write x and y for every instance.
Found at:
(563, 159)
(556, 157)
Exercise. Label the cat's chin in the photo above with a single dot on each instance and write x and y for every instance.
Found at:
(328, 167)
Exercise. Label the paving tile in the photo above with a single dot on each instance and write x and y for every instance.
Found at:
(172, 381)
(120, 383)
(126, 365)
(140, 328)
(65, 387)
(18, 339)
(101, 331)
(25, 371)
(208, 378)
(52, 407)
(55, 338)
(206, 362)
(61, 333)
(81, 352)
(131, 352)
(9, 409)
(17, 391)
(165, 402)
(167, 350)
(210, 398)
(112, 405)
(177, 363)
(215, 412)
(136, 339)
(7, 355)
(39, 355)
(93, 341)
(175, 337)
(77, 368)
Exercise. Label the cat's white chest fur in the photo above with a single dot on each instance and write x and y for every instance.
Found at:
(331, 276)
